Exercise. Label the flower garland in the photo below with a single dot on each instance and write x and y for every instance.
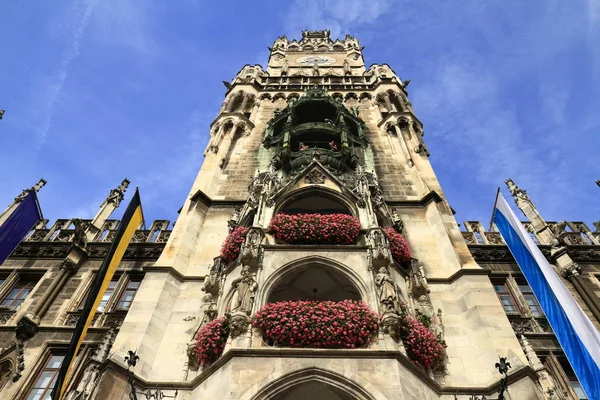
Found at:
(421, 345)
(315, 228)
(233, 243)
(398, 245)
(211, 340)
(322, 324)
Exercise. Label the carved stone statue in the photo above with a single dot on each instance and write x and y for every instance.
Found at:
(397, 222)
(79, 237)
(245, 286)
(315, 69)
(347, 68)
(423, 307)
(285, 67)
(387, 290)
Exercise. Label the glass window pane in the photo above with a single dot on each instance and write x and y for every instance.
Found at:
(36, 394)
(55, 362)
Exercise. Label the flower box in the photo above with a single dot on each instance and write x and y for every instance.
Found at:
(233, 243)
(319, 324)
(398, 246)
(315, 228)
(211, 340)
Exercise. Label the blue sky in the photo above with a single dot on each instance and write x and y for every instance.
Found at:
(96, 91)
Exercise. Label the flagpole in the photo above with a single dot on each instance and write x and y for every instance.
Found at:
(494, 209)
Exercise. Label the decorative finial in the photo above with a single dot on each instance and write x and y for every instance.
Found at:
(2, 113)
(116, 195)
(131, 358)
(598, 182)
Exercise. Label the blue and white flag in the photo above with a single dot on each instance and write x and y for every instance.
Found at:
(576, 334)
(18, 224)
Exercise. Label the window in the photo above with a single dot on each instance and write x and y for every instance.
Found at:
(125, 296)
(44, 383)
(128, 294)
(564, 363)
(506, 298)
(106, 296)
(17, 294)
(534, 306)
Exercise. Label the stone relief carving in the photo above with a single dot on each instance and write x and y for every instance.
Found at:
(245, 287)
(315, 177)
(397, 222)
(417, 280)
(250, 253)
(388, 291)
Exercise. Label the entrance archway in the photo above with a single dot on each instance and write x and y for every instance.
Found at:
(315, 384)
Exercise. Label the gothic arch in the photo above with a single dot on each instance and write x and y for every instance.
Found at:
(284, 387)
(351, 95)
(335, 266)
(266, 96)
(317, 192)
(6, 372)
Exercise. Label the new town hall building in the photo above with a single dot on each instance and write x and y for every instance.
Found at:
(315, 132)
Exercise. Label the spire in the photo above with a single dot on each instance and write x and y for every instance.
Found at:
(525, 204)
(113, 200)
(11, 207)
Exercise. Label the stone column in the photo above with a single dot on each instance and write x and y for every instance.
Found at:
(388, 103)
(403, 145)
(244, 102)
(255, 107)
(113, 200)
(12, 207)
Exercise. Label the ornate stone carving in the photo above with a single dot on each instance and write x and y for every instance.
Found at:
(116, 195)
(239, 322)
(212, 282)
(69, 265)
(315, 177)
(388, 291)
(347, 68)
(250, 253)
(397, 222)
(417, 280)
(27, 326)
(571, 270)
(245, 287)
(6, 315)
(494, 238)
(79, 237)
(235, 219)
(20, 360)
(379, 249)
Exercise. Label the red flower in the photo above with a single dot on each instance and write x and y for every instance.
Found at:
(398, 245)
(211, 340)
(315, 228)
(233, 243)
(324, 324)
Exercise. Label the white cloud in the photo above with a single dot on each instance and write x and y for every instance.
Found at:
(76, 21)
(339, 16)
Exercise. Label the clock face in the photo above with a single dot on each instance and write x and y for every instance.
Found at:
(312, 60)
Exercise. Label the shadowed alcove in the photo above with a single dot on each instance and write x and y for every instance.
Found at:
(313, 282)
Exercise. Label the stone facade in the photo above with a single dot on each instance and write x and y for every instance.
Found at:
(315, 131)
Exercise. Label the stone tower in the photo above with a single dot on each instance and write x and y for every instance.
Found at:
(316, 132)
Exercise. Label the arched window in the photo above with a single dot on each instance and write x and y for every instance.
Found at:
(314, 281)
(6, 372)
(315, 201)
(314, 390)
